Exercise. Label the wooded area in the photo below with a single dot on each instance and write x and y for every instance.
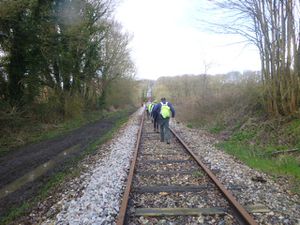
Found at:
(60, 57)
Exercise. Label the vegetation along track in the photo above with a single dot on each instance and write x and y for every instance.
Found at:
(168, 184)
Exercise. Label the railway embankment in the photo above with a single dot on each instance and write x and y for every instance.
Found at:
(94, 196)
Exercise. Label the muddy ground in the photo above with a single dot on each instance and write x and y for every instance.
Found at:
(25, 159)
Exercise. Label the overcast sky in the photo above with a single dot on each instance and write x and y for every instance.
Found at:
(168, 40)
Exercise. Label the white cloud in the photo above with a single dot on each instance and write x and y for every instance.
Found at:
(167, 42)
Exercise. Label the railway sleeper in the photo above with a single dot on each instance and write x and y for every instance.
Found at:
(168, 173)
(153, 212)
(172, 189)
(178, 211)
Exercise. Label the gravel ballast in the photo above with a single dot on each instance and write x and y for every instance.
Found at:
(101, 185)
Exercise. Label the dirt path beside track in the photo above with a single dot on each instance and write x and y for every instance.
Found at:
(21, 162)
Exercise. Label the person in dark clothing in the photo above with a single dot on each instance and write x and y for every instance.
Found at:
(155, 117)
(165, 111)
(147, 109)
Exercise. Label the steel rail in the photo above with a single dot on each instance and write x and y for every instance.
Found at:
(245, 216)
(123, 208)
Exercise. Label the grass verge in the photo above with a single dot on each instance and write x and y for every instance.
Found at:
(246, 146)
(69, 171)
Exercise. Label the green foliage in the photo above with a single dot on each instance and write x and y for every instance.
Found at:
(198, 174)
(60, 56)
(243, 136)
(294, 126)
(189, 125)
(217, 128)
(293, 131)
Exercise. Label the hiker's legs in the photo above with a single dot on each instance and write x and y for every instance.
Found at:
(156, 125)
(167, 130)
(162, 133)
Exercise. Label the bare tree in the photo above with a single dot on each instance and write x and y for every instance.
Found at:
(273, 26)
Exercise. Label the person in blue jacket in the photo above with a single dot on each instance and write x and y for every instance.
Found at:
(165, 111)
(155, 116)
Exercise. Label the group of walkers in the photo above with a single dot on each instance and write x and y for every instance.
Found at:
(160, 114)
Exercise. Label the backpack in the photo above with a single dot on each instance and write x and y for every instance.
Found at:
(151, 107)
(165, 110)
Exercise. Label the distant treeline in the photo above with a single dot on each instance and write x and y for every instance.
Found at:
(59, 57)
(205, 99)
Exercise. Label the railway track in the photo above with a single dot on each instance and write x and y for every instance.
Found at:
(168, 184)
